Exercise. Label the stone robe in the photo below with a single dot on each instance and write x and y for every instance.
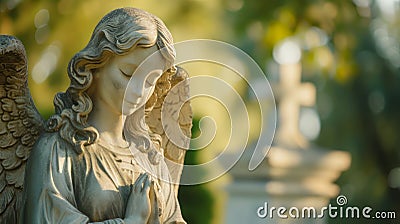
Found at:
(62, 186)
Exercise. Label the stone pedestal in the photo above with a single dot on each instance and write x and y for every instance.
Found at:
(287, 178)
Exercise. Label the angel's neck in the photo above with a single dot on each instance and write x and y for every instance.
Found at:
(108, 123)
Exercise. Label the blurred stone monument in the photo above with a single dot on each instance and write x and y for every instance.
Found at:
(295, 174)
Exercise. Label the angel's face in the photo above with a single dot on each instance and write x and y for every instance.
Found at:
(124, 85)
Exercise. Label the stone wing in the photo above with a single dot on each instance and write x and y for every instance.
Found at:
(20, 126)
(171, 118)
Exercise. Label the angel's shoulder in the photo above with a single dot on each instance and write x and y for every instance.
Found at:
(51, 140)
(49, 146)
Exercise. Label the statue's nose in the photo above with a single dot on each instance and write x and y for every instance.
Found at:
(134, 96)
(135, 89)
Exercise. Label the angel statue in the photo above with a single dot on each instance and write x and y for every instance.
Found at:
(104, 156)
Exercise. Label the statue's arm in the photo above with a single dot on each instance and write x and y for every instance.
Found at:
(49, 194)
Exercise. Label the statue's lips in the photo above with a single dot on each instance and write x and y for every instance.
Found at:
(128, 107)
(130, 104)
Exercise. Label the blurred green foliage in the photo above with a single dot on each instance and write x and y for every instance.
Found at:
(196, 200)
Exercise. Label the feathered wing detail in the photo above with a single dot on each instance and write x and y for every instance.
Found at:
(20, 126)
(171, 118)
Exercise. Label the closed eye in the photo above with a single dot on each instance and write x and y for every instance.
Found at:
(124, 73)
(127, 69)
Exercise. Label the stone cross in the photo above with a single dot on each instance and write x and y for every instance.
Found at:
(289, 177)
(291, 94)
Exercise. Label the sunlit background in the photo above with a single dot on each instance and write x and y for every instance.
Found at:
(350, 50)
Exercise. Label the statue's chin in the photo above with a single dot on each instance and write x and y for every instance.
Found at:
(128, 109)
